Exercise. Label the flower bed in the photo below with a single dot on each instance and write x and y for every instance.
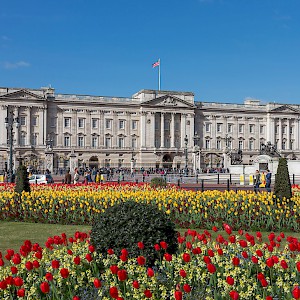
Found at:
(231, 267)
(79, 204)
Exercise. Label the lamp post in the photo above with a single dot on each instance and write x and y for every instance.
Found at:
(132, 163)
(186, 140)
(10, 120)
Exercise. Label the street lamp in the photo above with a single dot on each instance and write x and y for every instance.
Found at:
(186, 155)
(10, 120)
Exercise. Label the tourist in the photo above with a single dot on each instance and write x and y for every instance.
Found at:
(256, 181)
(268, 181)
(68, 177)
(76, 176)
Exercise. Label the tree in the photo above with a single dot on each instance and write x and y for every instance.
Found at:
(282, 187)
(22, 181)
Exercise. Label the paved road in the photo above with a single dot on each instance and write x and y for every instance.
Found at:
(224, 181)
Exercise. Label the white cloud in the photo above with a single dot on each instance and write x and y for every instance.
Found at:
(19, 64)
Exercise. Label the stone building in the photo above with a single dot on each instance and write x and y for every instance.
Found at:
(159, 129)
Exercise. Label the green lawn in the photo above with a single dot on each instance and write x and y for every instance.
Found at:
(13, 234)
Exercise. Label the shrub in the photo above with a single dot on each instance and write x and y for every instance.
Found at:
(125, 224)
(22, 181)
(282, 187)
(158, 182)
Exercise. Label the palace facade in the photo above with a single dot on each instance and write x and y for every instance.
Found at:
(158, 129)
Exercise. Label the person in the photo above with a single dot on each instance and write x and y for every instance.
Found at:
(262, 180)
(76, 176)
(256, 181)
(268, 181)
(68, 178)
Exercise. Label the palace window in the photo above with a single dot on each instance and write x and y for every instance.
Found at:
(251, 128)
(108, 123)
(121, 142)
(22, 120)
(207, 127)
(219, 127)
(34, 121)
(241, 145)
(121, 124)
(81, 123)
(219, 144)
(67, 122)
(23, 139)
(261, 129)
(67, 141)
(134, 124)
(229, 127)
(94, 123)
(251, 144)
(241, 128)
(107, 142)
(207, 144)
(134, 143)
(80, 141)
(94, 141)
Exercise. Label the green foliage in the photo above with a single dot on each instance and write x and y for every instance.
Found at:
(124, 225)
(158, 182)
(22, 181)
(282, 187)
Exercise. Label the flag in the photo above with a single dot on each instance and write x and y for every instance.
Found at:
(156, 64)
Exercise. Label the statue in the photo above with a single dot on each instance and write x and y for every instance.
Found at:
(269, 149)
(236, 157)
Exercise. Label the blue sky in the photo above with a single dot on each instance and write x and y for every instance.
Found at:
(222, 50)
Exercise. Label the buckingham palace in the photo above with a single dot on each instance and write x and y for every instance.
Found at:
(151, 129)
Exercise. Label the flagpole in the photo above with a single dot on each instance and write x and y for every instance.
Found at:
(159, 74)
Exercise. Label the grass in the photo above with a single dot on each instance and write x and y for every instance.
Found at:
(13, 234)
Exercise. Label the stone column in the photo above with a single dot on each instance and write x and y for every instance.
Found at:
(73, 129)
(73, 162)
(162, 130)
(128, 137)
(280, 134)
(297, 133)
(49, 161)
(172, 130)
(28, 126)
(16, 129)
(152, 135)
(60, 129)
(101, 129)
(87, 129)
(143, 129)
(183, 130)
(288, 136)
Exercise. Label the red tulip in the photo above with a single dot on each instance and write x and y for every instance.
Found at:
(89, 257)
(114, 269)
(18, 281)
(110, 251)
(76, 260)
(29, 265)
(269, 298)
(211, 268)
(234, 295)
(186, 257)
(164, 245)
(264, 282)
(187, 288)
(147, 293)
(97, 283)
(141, 245)
(55, 264)
(227, 228)
(284, 264)
(44, 286)
(178, 295)
(135, 284)
(141, 260)
(113, 291)
(270, 262)
(168, 257)
(254, 259)
(21, 293)
(150, 272)
(230, 280)
(14, 270)
(122, 275)
(64, 273)
(296, 292)
(235, 261)
(49, 276)
(215, 229)
(182, 273)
